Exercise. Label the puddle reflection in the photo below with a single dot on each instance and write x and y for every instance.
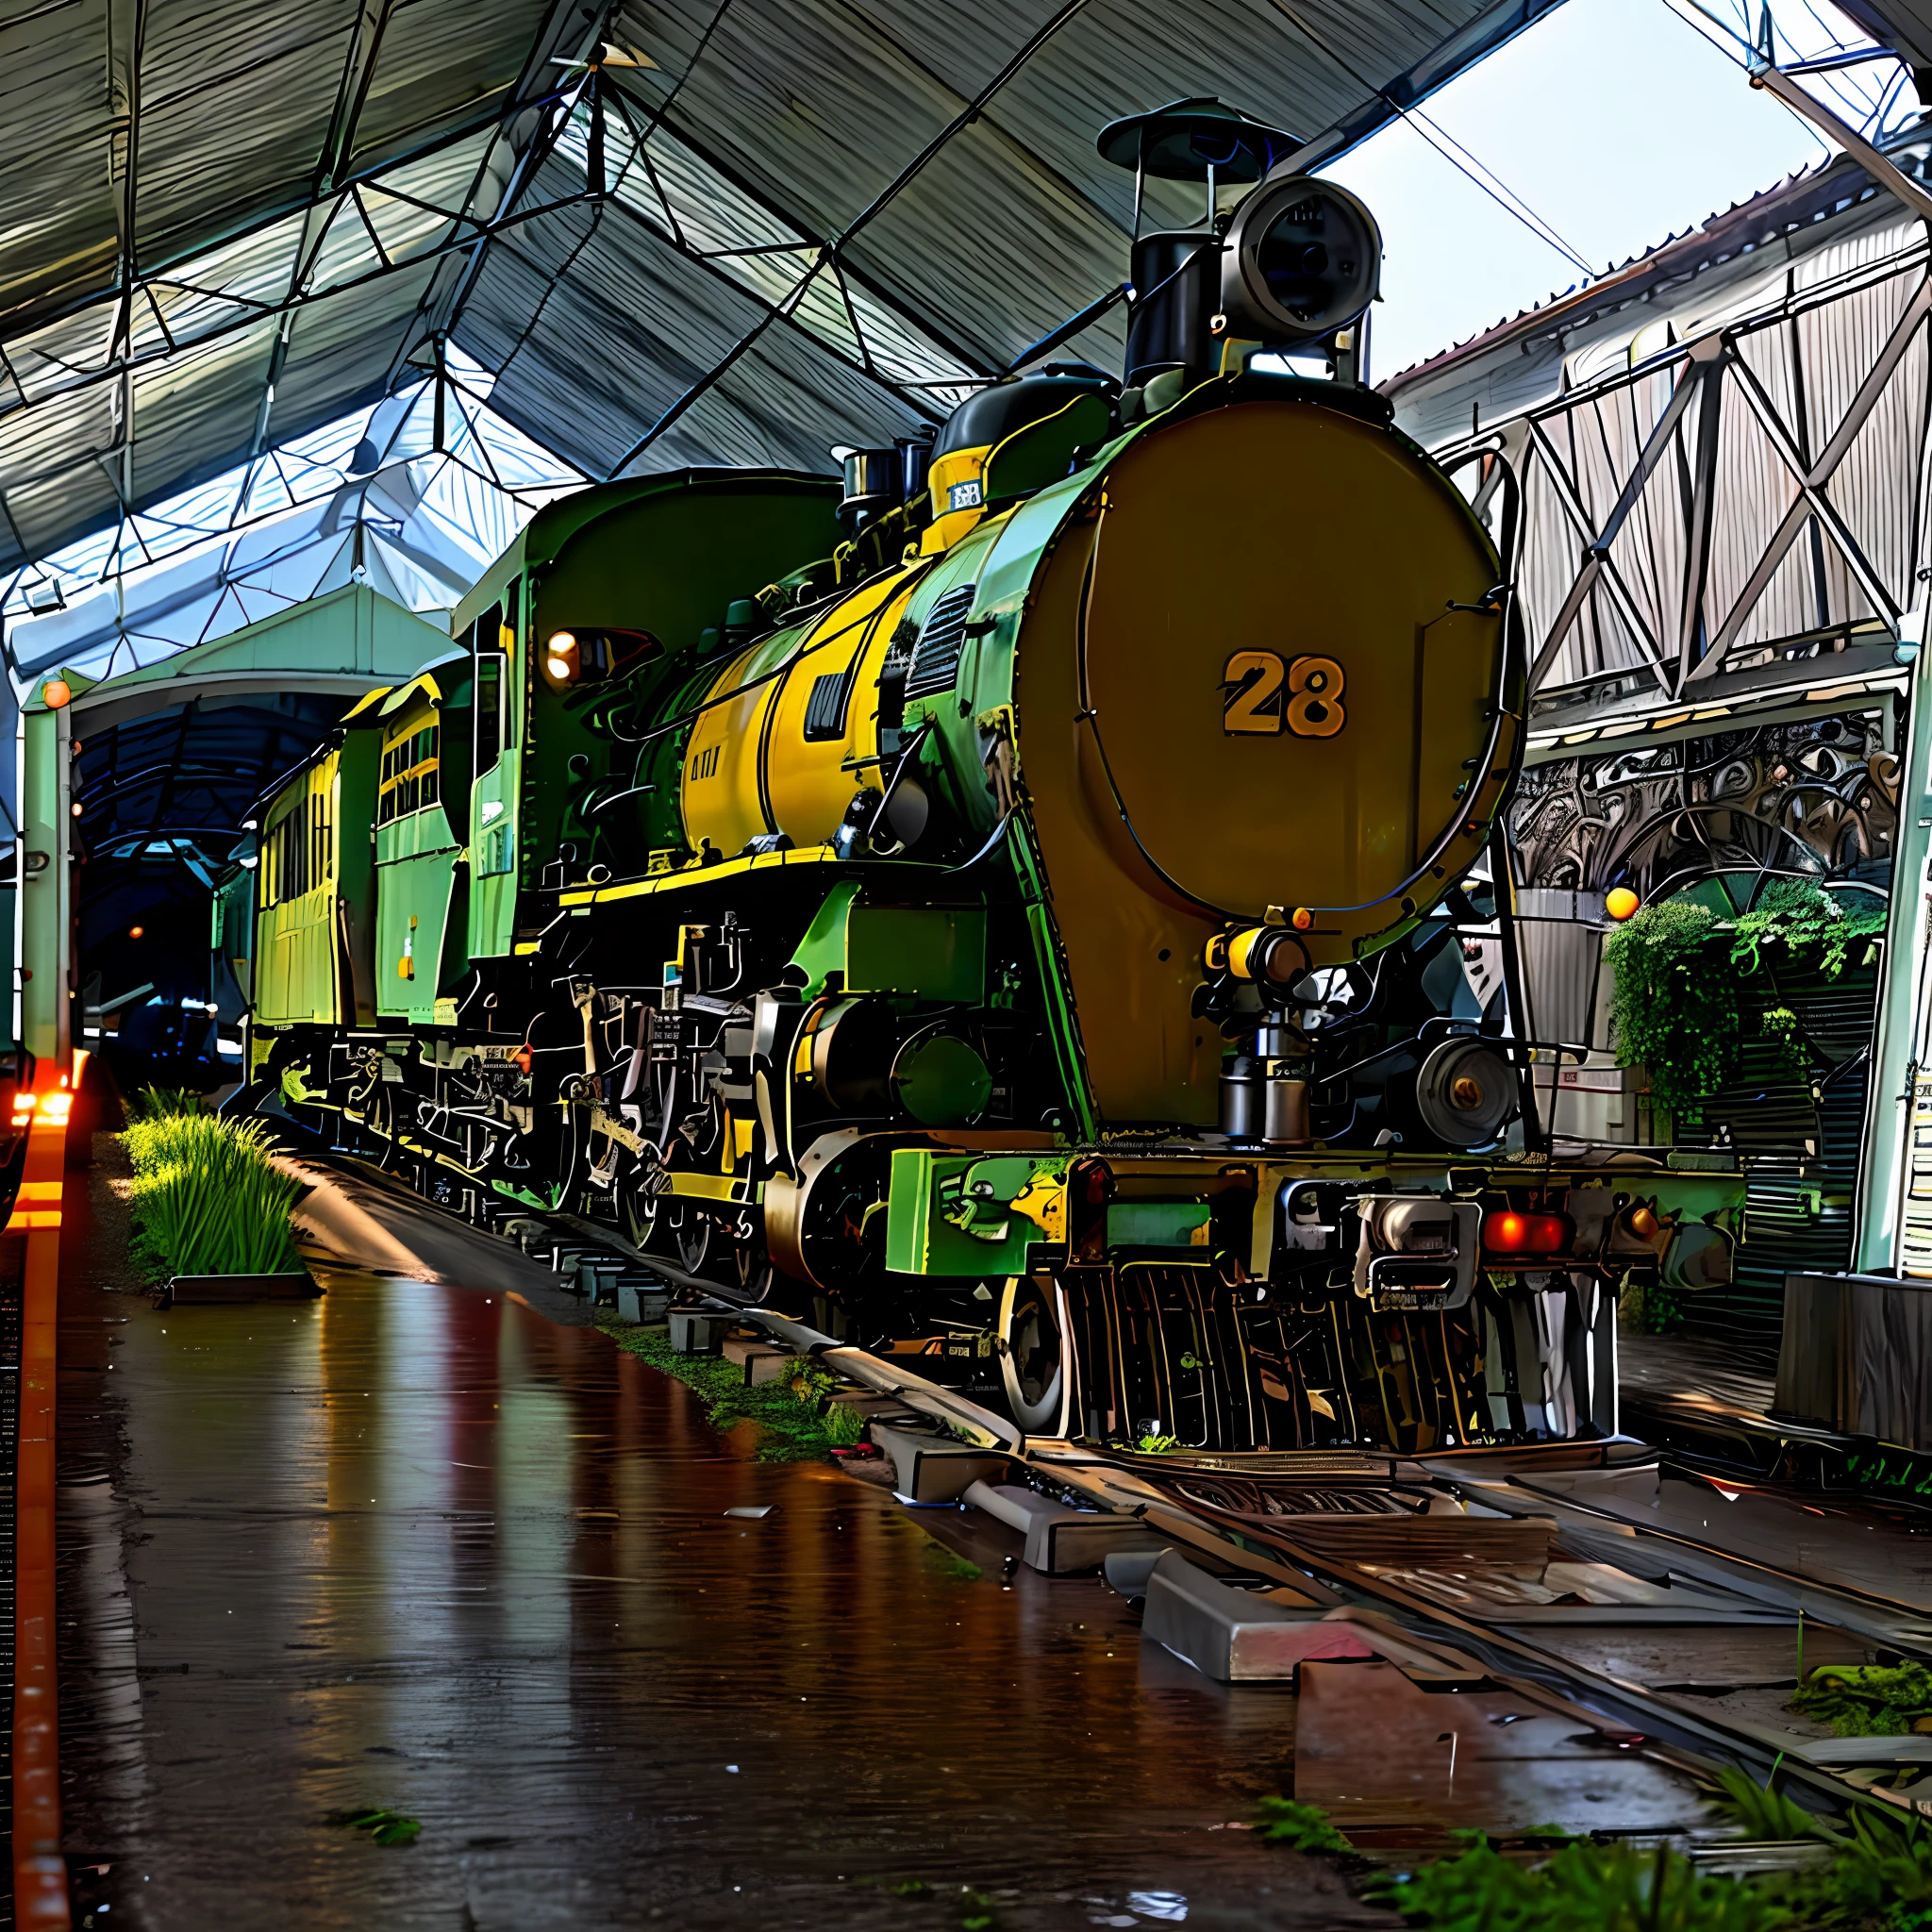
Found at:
(418, 1548)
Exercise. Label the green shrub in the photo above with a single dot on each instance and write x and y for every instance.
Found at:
(208, 1199)
(1676, 1003)
(1685, 978)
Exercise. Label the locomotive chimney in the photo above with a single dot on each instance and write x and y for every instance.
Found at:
(1175, 273)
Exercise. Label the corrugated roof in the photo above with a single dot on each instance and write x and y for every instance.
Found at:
(221, 225)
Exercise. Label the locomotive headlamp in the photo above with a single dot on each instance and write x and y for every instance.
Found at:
(1303, 258)
(561, 656)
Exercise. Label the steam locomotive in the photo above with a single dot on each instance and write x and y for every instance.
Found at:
(1014, 906)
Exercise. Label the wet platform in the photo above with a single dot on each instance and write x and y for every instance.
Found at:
(417, 1546)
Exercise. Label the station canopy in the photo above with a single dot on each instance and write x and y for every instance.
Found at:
(343, 290)
(555, 243)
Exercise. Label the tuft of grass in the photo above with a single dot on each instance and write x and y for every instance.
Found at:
(1867, 1700)
(1877, 1876)
(162, 1103)
(390, 1828)
(977, 1912)
(792, 1431)
(1305, 1828)
(1767, 1816)
(207, 1197)
(844, 1427)
(1585, 1888)
(950, 1564)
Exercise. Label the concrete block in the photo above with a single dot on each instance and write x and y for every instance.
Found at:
(762, 1362)
(1233, 1636)
(931, 1467)
(570, 1263)
(1127, 1570)
(696, 1332)
(1060, 1542)
(642, 1301)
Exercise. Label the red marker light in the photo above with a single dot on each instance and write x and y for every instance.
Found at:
(1510, 1233)
(1547, 1233)
(1506, 1233)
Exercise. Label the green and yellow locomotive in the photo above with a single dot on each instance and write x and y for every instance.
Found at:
(1014, 906)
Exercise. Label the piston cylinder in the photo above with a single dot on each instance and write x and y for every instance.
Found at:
(1286, 1112)
(1243, 1098)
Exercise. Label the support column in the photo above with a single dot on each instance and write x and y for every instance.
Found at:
(46, 882)
(1899, 1074)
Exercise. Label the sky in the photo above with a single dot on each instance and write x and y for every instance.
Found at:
(1617, 121)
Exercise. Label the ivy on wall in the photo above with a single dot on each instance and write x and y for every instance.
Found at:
(1689, 983)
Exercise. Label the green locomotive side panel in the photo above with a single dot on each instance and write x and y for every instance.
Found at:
(1158, 1224)
(415, 884)
(356, 776)
(916, 952)
(232, 933)
(656, 563)
(952, 1214)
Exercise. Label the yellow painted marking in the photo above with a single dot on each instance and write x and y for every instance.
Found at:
(711, 1187)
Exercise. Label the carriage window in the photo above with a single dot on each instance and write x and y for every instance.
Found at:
(318, 838)
(409, 766)
(490, 684)
(294, 853)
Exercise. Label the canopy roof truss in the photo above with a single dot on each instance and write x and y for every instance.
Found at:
(1736, 522)
(676, 230)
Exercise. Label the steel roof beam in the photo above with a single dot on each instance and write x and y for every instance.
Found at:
(830, 249)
